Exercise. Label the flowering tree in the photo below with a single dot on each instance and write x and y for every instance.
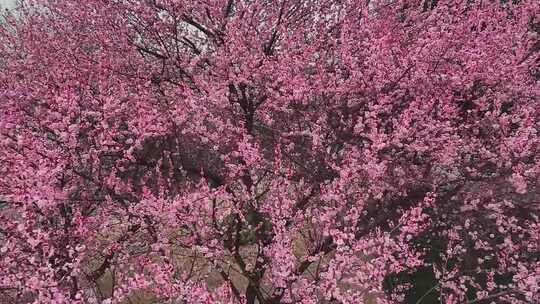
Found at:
(258, 151)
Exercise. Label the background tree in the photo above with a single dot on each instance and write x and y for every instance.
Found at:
(294, 151)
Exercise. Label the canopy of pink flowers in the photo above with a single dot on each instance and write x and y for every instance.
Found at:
(258, 151)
